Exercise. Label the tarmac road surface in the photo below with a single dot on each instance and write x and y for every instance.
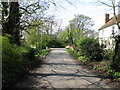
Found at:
(61, 70)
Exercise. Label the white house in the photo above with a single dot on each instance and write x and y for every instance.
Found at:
(105, 32)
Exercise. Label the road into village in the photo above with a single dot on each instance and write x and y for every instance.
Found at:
(60, 70)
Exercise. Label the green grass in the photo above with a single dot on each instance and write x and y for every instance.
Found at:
(44, 52)
(76, 55)
(114, 74)
(104, 65)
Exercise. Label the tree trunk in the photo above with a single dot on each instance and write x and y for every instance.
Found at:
(11, 24)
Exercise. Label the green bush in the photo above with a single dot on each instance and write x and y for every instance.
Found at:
(44, 52)
(83, 59)
(54, 43)
(90, 48)
(114, 74)
(116, 62)
(31, 53)
(108, 54)
(15, 62)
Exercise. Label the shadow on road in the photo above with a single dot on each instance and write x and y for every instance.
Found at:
(60, 64)
(63, 74)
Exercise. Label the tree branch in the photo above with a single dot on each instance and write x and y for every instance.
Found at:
(104, 3)
(25, 10)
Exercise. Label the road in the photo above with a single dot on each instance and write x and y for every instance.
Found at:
(61, 70)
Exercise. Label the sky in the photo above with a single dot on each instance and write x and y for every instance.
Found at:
(66, 9)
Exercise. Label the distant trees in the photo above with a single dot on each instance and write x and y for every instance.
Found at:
(82, 22)
(79, 27)
(80, 34)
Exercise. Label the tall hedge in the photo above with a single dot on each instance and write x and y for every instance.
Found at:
(15, 62)
(89, 47)
(116, 62)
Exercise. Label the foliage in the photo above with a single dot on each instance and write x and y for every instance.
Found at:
(44, 52)
(114, 74)
(106, 67)
(116, 62)
(10, 25)
(37, 39)
(79, 28)
(54, 43)
(31, 37)
(41, 39)
(116, 56)
(16, 60)
(46, 39)
(102, 65)
(82, 22)
(83, 58)
(76, 55)
(108, 54)
(90, 48)
(63, 38)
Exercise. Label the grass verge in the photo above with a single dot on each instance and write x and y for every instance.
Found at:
(104, 65)
(43, 53)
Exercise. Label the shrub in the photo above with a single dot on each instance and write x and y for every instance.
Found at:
(15, 62)
(116, 62)
(44, 52)
(108, 54)
(83, 58)
(31, 53)
(54, 43)
(114, 74)
(90, 48)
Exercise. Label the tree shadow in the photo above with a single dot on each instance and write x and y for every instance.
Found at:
(44, 63)
(63, 75)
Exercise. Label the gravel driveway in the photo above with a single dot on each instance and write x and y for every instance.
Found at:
(61, 70)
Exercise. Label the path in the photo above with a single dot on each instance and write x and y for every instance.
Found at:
(61, 70)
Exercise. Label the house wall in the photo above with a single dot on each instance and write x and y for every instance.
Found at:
(105, 36)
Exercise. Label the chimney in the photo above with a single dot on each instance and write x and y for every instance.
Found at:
(106, 17)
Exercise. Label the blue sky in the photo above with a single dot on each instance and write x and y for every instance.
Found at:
(91, 8)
